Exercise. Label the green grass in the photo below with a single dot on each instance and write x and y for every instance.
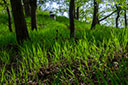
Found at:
(97, 56)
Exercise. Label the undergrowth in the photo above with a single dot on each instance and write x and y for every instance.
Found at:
(97, 56)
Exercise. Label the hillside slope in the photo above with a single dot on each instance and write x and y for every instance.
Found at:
(97, 56)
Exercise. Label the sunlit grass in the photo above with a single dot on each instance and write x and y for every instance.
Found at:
(95, 57)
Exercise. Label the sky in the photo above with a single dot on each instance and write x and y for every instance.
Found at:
(53, 6)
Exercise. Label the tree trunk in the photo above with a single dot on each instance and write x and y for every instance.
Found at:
(95, 14)
(74, 10)
(33, 4)
(118, 15)
(125, 17)
(19, 21)
(71, 16)
(27, 8)
(77, 13)
(9, 17)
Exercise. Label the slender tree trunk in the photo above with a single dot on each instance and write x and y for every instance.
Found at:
(27, 8)
(33, 4)
(19, 21)
(74, 10)
(95, 14)
(118, 15)
(71, 16)
(125, 17)
(9, 20)
(9, 17)
(77, 13)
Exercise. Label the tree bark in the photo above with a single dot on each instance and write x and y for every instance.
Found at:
(33, 4)
(19, 21)
(9, 17)
(77, 13)
(71, 16)
(118, 15)
(27, 8)
(125, 17)
(95, 14)
(74, 10)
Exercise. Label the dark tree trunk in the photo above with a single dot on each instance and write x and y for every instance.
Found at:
(125, 17)
(19, 21)
(71, 16)
(118, 15)
(95, 14)
(33, 4)
(9, 17)
(27, 8)
(74, 10)
(77, 13)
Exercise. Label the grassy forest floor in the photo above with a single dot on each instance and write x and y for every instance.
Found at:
(97, 56)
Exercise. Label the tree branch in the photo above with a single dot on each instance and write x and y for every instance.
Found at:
(107, 16)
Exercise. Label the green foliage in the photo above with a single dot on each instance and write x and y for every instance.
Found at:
(95, 57)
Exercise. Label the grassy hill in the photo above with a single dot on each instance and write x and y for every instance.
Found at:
(97, 56)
